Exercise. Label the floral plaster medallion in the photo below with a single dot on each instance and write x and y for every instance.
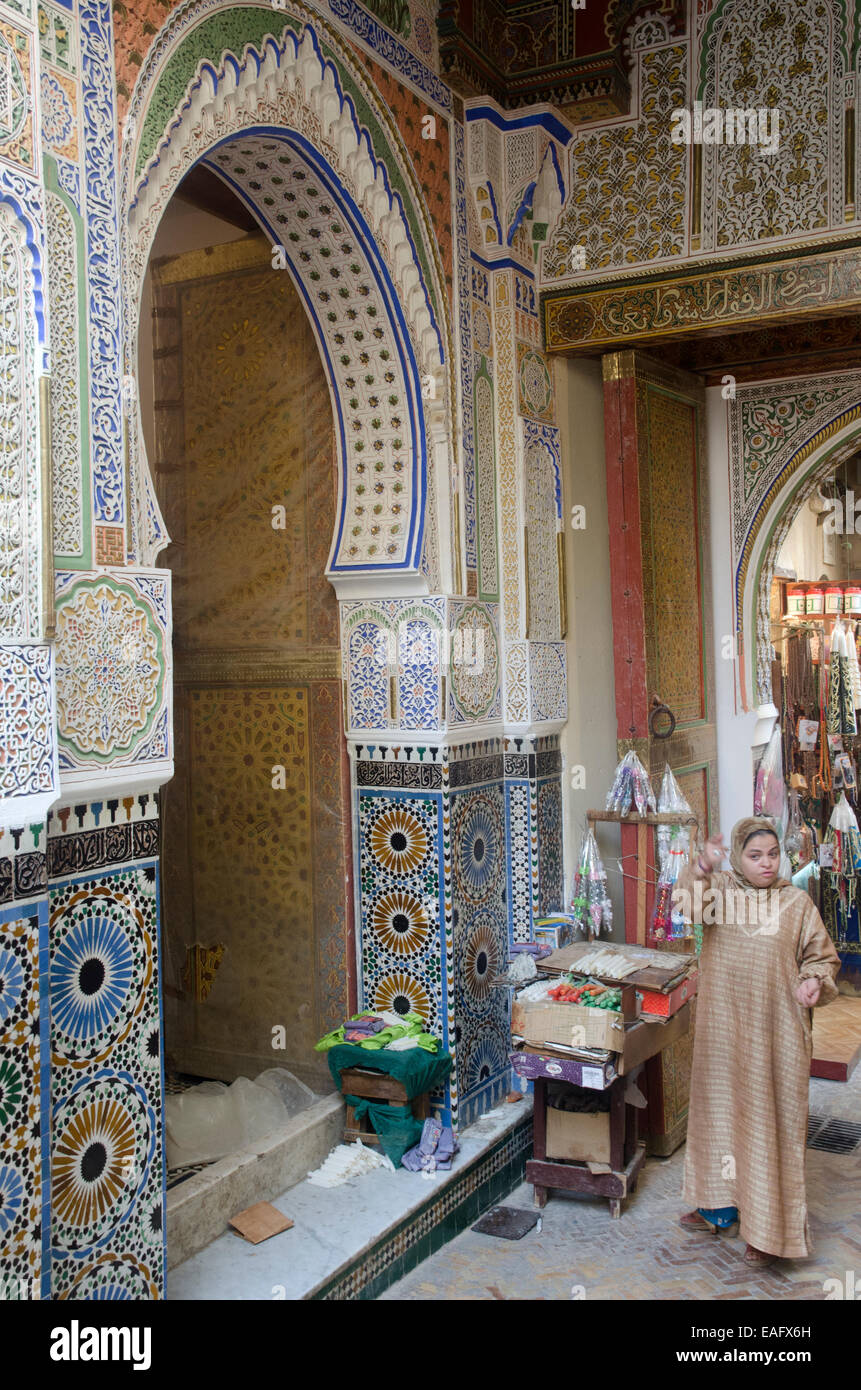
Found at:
(110, 668)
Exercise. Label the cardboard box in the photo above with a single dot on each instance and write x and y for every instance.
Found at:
(666, 980)
(540, 1021)
(532, 1063)
(662, 1005)
(578, 1138)
(646, 1039)
(557, 931)
(642, 1040)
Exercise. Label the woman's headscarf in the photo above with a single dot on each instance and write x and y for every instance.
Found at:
(741, 833)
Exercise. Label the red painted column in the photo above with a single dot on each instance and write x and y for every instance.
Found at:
(621, 445)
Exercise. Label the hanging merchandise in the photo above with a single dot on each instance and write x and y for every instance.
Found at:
(591, 908)
(672, 801)
(792, 838)
(841, 709)
(770, 794)
(631, 783)
(807, 733)
(843, 772)
(802, 694)
(842, 846)
(668, 924)
(854, 668)
(820, 780)
(798, 840)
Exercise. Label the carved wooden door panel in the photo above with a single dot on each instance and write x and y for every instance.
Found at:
(662, 625)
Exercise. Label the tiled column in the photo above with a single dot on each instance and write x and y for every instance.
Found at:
(25, 1196)
(107, 1217)
(430, 827)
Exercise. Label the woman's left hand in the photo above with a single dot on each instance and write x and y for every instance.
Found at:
(808, 993)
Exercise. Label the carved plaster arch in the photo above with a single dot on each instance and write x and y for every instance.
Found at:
(542, 197)
(813, 461)
(287, 104)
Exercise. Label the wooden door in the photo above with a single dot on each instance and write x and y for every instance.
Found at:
(662, 625)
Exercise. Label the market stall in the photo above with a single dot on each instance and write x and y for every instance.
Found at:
(582, 1032)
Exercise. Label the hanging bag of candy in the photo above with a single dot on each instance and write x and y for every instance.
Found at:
(631, 784)
(798, 840)
(667, 921)
(590, 906)
(671, 801)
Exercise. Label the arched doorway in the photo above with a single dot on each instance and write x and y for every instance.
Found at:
(793, 552)
(277, 127)
(257, 958)
(806, 459)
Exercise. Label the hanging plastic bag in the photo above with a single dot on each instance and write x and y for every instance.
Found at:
(671, 800)
(770, 794)
(793, 840)
(631, 784)
(590, 906)
(845, 837)
(668, 924)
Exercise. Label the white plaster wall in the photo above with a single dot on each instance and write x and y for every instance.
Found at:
(589, 738)
(734, 728)
(802, 551)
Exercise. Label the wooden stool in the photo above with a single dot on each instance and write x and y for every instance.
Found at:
(376, 1086)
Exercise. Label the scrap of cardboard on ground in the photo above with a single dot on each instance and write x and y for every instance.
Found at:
(260, 1222)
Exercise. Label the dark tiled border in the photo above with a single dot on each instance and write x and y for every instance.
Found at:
(374, 774)
(24, 877)
(96, 849)
(476, 770)
(548, 763)
(489, 1178)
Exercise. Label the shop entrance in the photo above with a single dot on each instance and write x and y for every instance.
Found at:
(815, 625)
(255, 823)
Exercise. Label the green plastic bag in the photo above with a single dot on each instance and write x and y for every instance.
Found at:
(396, 1125)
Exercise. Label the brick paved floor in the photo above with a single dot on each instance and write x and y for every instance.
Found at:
(646, 1254)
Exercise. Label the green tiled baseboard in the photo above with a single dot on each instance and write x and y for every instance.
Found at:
(489, 1178)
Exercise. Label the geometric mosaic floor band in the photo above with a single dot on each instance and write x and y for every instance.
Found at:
(484, 1183)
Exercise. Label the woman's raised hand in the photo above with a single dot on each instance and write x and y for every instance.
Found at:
(713, 852)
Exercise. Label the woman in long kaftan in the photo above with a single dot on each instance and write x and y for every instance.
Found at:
(747, 1125)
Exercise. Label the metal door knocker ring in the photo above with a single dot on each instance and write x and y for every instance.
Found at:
(662, 721)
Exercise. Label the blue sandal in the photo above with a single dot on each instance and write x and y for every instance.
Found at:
(719, 1221)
